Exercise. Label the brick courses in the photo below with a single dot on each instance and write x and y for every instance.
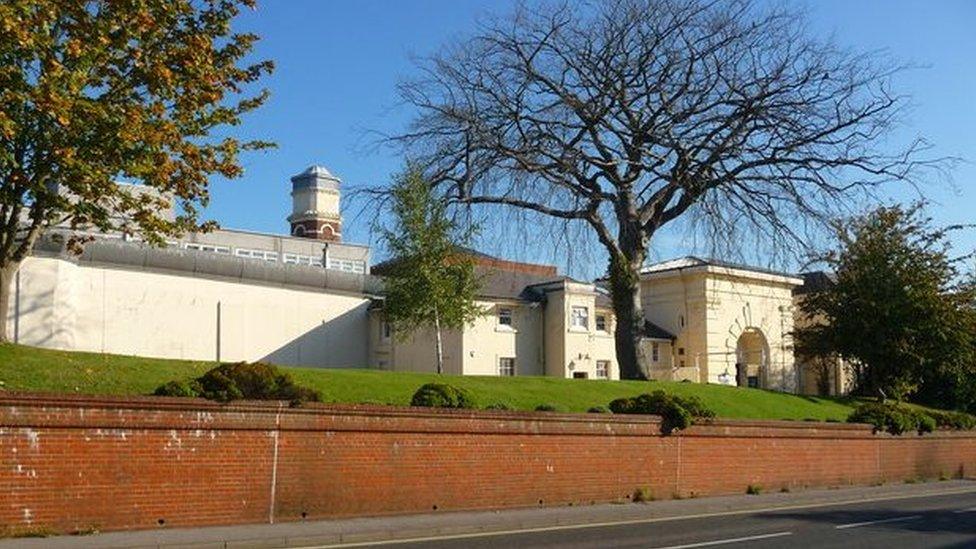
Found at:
(73, 463)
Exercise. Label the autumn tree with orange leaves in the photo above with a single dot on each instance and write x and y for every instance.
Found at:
(94, 92)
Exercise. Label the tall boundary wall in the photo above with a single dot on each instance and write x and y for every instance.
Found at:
(75, 463)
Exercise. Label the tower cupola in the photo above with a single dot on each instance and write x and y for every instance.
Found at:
(315, 205)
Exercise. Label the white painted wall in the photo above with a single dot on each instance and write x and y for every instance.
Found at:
(63, 305)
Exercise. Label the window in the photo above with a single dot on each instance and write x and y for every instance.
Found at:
(505, 316)
(580, 318)
(385, 331)
(206, 248)
(681, 351)
(298, 259)
(506, 366)
(681, 320)
(655, 352)
(580, 375)
(603, 369)
(257, 254)
(601, 323)
(347, 265)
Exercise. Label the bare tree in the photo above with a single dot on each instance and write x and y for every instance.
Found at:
(628, 114)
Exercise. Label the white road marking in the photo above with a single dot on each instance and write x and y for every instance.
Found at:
(494, 533)
(882, 521)
(727, 541)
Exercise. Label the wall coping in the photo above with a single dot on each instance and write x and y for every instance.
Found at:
(39, 409)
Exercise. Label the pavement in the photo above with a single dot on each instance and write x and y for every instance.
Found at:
(936, 514)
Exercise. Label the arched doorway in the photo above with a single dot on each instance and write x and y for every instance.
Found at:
(752, 359)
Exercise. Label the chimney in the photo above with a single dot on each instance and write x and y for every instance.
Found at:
(315, 205)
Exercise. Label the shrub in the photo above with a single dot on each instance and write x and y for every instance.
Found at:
(546, 408)
(753, 489)
(622, 406)
(441, 395)
(958, 421)
(498, 406)
(178, 388)
(598, 410)
(643, 495)
(892, 418)
(242, 380)
(676, 412)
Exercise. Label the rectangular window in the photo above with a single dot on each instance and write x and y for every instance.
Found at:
(299, 259)
(603, 369)
(580, 318)
(601, 323)
(385, 331)
(347, 265)
(206, 248)
(580, 375)
(505, 317)
(681, 351)
(655, 352)
(506, 366)
(263, 255)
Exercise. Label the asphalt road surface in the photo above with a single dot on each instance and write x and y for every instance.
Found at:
(937, 521)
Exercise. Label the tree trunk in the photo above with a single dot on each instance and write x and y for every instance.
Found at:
(440, 346)
(8, 272)
(625, 292)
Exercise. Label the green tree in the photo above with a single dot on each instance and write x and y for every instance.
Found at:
(430, 285)
(898, 310)
(92, 92)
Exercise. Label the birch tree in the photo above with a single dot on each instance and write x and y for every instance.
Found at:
(430, 285)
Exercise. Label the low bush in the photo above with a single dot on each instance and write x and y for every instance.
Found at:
(598, 410)
(753, 489)
(546, 408)
(958, 421)
(242, 380)
(498, 406)
(441, 395)
(643, 495)
(179, 388)
(892, 418)
(676, 412)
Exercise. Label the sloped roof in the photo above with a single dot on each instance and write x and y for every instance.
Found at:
(653, 331)
(815, 281)
(315, 171)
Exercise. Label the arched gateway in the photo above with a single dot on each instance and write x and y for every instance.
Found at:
(752, 359)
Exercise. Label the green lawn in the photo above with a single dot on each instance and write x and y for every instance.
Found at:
(31, 369)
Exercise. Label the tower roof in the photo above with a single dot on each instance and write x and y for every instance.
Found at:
(314, 171)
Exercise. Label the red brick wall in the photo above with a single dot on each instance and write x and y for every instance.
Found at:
(72, 463)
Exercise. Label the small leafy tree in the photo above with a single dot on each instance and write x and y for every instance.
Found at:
(897, 310)
(430, 285)
(93, 91)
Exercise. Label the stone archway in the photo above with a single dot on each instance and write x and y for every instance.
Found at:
(751, 359)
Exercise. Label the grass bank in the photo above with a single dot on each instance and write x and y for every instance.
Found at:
(32, 369)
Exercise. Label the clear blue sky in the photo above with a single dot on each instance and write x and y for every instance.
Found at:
(338, 63)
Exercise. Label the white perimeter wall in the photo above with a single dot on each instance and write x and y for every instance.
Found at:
(67, 306)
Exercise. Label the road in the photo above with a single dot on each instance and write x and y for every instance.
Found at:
(939, 521)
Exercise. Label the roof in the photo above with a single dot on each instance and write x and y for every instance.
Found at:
(689, 262)
(502, 283)
(653, 331)
(315, 171)
(815, 281)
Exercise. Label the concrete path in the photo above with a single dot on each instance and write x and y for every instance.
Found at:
(673, 523)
